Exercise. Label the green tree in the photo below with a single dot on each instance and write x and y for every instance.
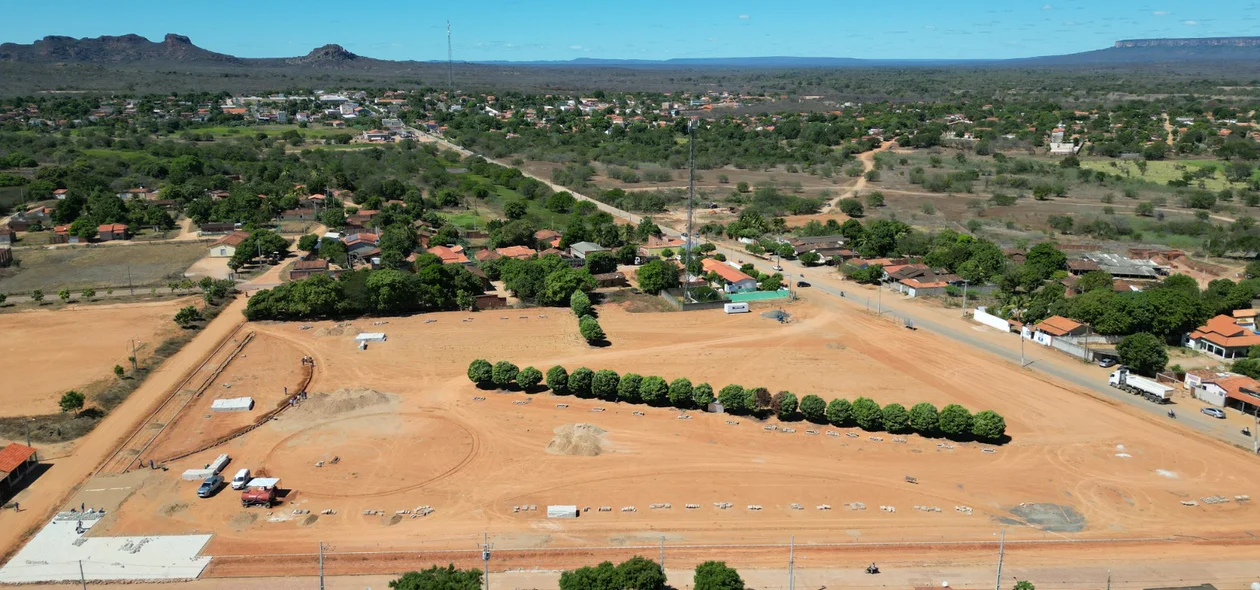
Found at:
(732, 399)
(628, 388)
(118, 371)
(814, 409)
(590, 330)
(580, 382)
(601, 577)
(437, 578)
(89, 293)
(529, 378)
(601, 262)
(784, 405)
(715, 575)
(1145, 209)
(560, 284)
(1024, 585)
(64, 294)
(558, 380)
(1144, 353)
(480, 372)
(924, 419)
(37, 296)
(72, 401)
(680, 393)
(702, 395)
(840, 412)
(654, 390)
(851, 207)
(515, 210)
(657, 276)
(955, 421)
(504, 374)
(3, 297)
(188, 317)
(308, 242)
(604, 384)
(638, 573)
(1094, 280)
(809, 258)
(988, 426)
(1045, 259)
(867, 415)
(580, 303)
(896, 418)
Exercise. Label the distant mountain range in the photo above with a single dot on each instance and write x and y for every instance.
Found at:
(137, 50)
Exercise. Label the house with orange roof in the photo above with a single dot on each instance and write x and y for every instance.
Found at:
(225, 247)
(733, 280)
(16, 461)
(517, 252)
(111, 231)
(450, 254)
(1225, 390)
(1045, 331)
(1223, 337)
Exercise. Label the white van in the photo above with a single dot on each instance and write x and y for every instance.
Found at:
(736, 308)
(241, 480)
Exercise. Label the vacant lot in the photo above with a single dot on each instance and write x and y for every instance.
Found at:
(401, 428)
(44, 353)
(142, 265)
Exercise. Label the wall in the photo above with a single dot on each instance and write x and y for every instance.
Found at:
(982, 316)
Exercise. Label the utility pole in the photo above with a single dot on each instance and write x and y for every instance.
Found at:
(1001, 553)
(662, 553)
(321, 565)
(82, 578)
(879, 298)
(792, 563)
(450, 72)
(130, 287)
(28, 431)
(1108, 579)
(485, 557)
(134, 365)
(688, 245)
(964, 305)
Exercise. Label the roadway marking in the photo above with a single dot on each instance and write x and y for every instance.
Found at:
(107, 489)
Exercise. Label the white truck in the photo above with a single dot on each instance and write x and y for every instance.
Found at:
(1148, 388)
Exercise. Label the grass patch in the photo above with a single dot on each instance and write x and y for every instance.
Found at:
(99, 267)
(125, 155)
(1162, 171)
(62, 427)
(636, 302)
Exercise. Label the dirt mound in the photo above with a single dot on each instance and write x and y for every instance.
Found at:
(243, 519)
(584, 440)
(173, 508)
(336, 330)
(343, 401)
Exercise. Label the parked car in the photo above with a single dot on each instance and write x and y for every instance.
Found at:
(777, 268)
(802, 284)
(210, 486)
(242, 478)
(1107, 363)
(1214, 412)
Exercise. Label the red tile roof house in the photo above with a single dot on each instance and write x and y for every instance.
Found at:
(15, 462)
(485, 255)
(1057, 327)
(111, 231)
(550, 236)
(1224, 338)
(360, 243)
(450, 254)
(733, 279)
(517, 252)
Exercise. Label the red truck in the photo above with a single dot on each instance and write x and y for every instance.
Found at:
(258, 497)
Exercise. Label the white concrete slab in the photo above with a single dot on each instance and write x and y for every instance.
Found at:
(57, 550)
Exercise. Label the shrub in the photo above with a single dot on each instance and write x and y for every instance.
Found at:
(867, 414)
(558, 380)
(580, 302)
(628, 388)
(814, 409)
(896, 418)
(784, 405)
(580, 382)
(590, 330)
(988, 426)
(924, 419)
(654, 390)
(840, 412)
(529, 378)
(604, 384)
(480, 372)
(732, 399)
(504, 374)
(680, 393)
(955, 421)
(702, 395)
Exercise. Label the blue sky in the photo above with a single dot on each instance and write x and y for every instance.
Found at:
(641, 29)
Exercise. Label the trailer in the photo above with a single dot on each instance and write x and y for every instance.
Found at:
(736, 308)
(1150, 389)
(562, 512)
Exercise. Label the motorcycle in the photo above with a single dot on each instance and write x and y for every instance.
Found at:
(872, 569)
(1172, 414)
(1246, 431)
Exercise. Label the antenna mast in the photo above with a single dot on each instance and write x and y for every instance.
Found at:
(450, 75)
(688, 243)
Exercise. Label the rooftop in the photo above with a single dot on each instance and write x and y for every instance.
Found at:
(1058, 326)
(13, 456)
(1224, 332)
(727, 272)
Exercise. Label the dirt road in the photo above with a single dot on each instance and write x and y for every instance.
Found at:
(868, 163)
(46, 495)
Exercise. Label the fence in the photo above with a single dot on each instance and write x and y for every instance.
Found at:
(760, 296)
(675, 298)
(982, 316)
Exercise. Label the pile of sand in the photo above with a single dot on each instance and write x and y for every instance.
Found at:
(585, 440)
(342, 401)
(336, 330)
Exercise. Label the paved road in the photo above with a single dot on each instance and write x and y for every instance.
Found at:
(827, 280)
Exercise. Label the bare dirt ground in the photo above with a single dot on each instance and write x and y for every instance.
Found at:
(1079, 468)
(44, 353)
(140, 264)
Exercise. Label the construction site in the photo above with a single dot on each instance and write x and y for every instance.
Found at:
(383, 456)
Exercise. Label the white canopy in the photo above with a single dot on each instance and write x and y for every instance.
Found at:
(370, 337)
(235, 404)
(263, 482)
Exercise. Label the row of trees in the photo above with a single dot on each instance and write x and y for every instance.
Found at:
(588, 326)
(953, 421)
(636, 573)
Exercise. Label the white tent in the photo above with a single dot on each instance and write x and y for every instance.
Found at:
(562, 512)
(370, 337)
(263, 482)
(235, 404)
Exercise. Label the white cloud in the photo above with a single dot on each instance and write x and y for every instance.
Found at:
(930, 27)
(743, 17)
(1160, 13)
(577, 47)
(1191, 23)
(1047, 7)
